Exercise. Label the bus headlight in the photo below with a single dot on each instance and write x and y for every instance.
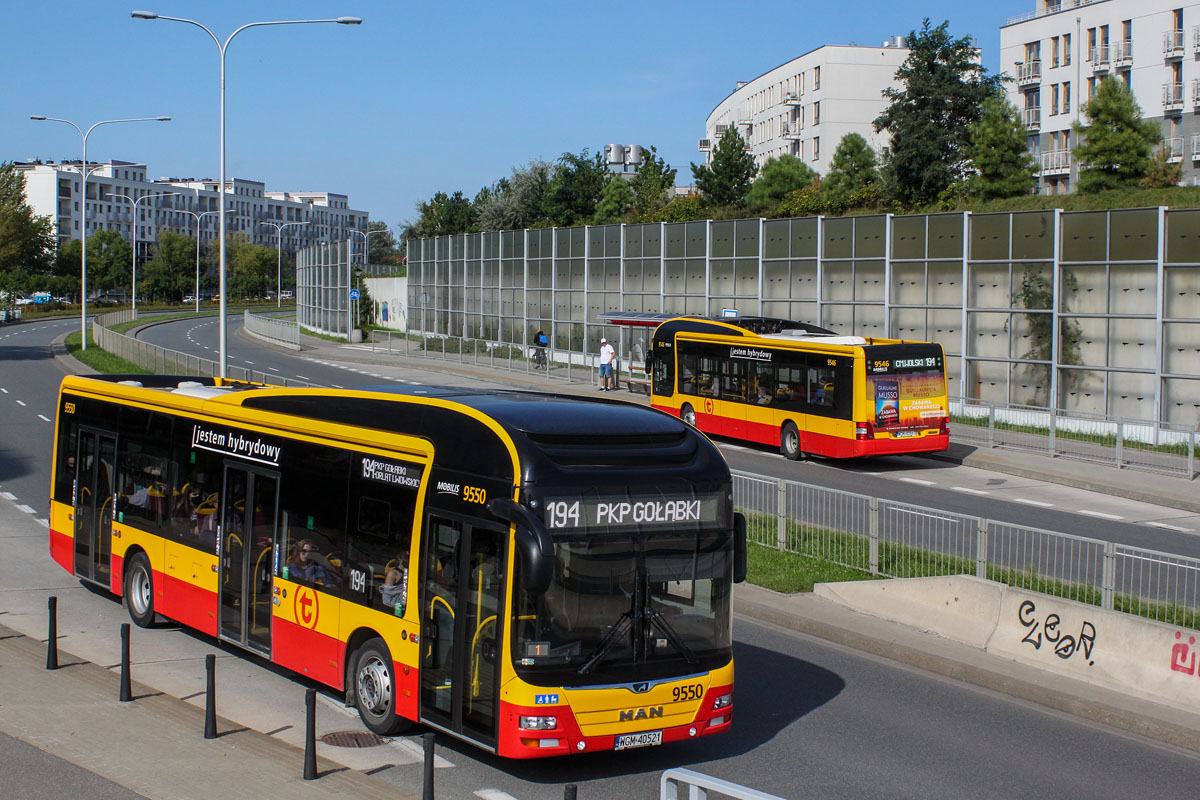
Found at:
(723, 701)
(538, 723)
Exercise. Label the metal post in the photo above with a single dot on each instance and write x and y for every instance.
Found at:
(1053, 426)
(873, 535)
(1191, 455)
(781, 515)
(981, 548)
(1107, 581)
(52, 634)
(310, 734)
(1120, 451)
(210, 697)
(126, 686)
(427, 791)
(991, 425)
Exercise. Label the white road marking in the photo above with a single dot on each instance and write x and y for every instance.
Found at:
(493, 794)
(20, 402)
(1100, 514)
(1165, 526)
(334, 385)
(273, 369)
(4, 390)
(969, 490)
(917, 480)
(26, 509)
(923, 514)
(1037, 503)
(45, 522)
(8, 495)
(44, 417)
(303, 377)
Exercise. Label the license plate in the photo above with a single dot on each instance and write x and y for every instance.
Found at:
(904, 434)
(647, 739)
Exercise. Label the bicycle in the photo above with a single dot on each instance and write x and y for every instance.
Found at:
(539, 358)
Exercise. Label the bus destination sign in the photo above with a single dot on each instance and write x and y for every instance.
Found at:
(632, 513)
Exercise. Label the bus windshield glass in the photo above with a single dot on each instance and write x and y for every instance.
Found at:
(906, 385)
(630, 601)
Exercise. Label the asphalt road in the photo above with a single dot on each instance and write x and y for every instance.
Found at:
(812, 719)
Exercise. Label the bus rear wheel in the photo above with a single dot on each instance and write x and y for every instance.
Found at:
(139, 591)
(789, 442)
(688, 415)
(375, 689)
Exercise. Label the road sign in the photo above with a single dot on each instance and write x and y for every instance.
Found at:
(354, 294)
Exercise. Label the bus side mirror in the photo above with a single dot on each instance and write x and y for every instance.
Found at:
(535, 548)
(739, 547)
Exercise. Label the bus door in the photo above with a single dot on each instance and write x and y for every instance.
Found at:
(95, 495)
(462, 622)
(734, 387)
(246, 542)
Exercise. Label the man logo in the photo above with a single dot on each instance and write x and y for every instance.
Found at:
(641, 688)
(634, 714)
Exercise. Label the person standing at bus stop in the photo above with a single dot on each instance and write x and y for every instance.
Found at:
(607, 353)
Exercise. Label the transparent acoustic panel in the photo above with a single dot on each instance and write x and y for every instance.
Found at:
(869, 284)
(652, 275)
(804, 238)
(945, 328)
(775, 238)
(1131, 343)
(721, 278)
(909, 323)
(458, 247)
(908, 237)
(1084, 236)
(474, 246)
(652, 241)
(696, 239)
(870, 237)
(1083, 341)
(673, 304)
(954, 381)
(491, 273)
(838, 283)
(722, 239)
(908, 283)
(804, 280)
(512, 244)
(674, 277)
(987, 380)
(1181, 292)
(1029, 384)
(578, 306)
(1183, 236)
(1084, 289)
(1029, 336)
(1181, 401)
(946, 236)
(943, 283)
(1130, 395)
(745, 276)
(989, 237)
(837, 238)
(1033, 285)
(1132, 288)
(457, 298)
(1033, 235)
(1181, 348)
(776, 278)
(987, 334)
(838, 317)
(612, 275)
(612, 241)
(696, 283)
(674, 234)
(869, 321)
(988, 285)
(746, 238)
(1133, 234)
(633, 275)
(458, 273)
(633, 241)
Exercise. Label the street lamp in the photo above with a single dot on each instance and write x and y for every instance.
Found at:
(221, 48)
(83, 171)
(133, 233)
(199, 216)
(278, 226)
(366, 253)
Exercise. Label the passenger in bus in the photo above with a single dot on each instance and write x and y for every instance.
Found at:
(307, 564)
(395, 584)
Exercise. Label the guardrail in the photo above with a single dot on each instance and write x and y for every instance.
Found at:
(276, 331)
(900, 540)
(699, 785)
(161, 361)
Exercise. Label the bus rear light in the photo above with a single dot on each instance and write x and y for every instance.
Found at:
(864, 431)
(944, 428)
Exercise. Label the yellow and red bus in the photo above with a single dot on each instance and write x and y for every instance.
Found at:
(535, 574)
(801, 387)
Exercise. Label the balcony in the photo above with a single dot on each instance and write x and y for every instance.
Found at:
(1029, 72)
(1172, 97)
(1122, 54)
(792, 130)
(792, 99)
(1100, 58)
(1172, 44)
(1173, 147)
(1196, 147)
(1196, 91)
(1196, 37)
(1031, 118)
(1056, 162)
(704, 145)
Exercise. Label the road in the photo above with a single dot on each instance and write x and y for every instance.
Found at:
(812, 719)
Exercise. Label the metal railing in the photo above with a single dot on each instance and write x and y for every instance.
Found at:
(1172, 95)
(1031, 118)
(1124, 443)
(1056, 161)
(277, 331)
(1173, 43)
(1029, 71)
(699, 785)
(900, 540)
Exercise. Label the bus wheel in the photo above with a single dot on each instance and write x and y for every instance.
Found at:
(139, 591)
(688, 415)
(375, 689)
(789, 442)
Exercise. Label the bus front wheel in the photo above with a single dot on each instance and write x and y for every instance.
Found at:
(688, 415)
(139, 591)
(789, 442)
(375, 689)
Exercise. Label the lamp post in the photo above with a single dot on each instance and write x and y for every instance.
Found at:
(279, 226)
(350, 247)
(199, 216)
(221, 48)
(133, 235)
(83, 171)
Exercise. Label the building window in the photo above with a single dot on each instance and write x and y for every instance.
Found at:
(816, 156)
(1091, 44)
(1066, 98)
(817, 70)
(816, 113)
(1054, 99)
(1053, 51)
(1091, 88)
(1066, 49)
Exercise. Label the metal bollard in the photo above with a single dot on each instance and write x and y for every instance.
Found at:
(126, 686)
(210, 699)
(427, 792)
(570, 791)
(52, 635)
(310, 734)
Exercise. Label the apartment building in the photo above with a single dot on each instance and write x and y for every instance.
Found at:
(116, 193)
(804, 107)
(1059, 52)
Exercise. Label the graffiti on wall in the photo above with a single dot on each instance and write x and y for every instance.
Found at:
(1183, 658)
(1048, 630)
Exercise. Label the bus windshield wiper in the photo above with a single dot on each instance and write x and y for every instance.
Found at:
(607, 644)
(657, 619)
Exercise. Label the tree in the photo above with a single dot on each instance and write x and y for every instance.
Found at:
(852, 172)
(518, 202)
(616, 201)
(576, 187)
(26, 239)
(652, 183)
(108, 262)
(1003, 165)
(941, 94)
(442, 215)
(381, 244)
(171, 271)
(250, 269)
(1114, 147)
(727, 181)
(1162, 172)
(779, 176)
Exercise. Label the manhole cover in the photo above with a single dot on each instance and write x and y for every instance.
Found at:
(354, 739)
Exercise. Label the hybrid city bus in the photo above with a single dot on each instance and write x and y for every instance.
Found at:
(803, 388)
(535, 574)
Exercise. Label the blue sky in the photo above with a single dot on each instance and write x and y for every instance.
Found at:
(421, 97)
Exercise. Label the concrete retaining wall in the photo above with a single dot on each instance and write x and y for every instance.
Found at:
(1107, 648)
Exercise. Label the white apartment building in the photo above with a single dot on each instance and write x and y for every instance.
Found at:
(53, 190)
(804, 107)
(1060, 52)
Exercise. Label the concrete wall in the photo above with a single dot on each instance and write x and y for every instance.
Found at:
(1106, 648)
(390, 298)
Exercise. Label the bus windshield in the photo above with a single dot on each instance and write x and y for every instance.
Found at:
(906, 385)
